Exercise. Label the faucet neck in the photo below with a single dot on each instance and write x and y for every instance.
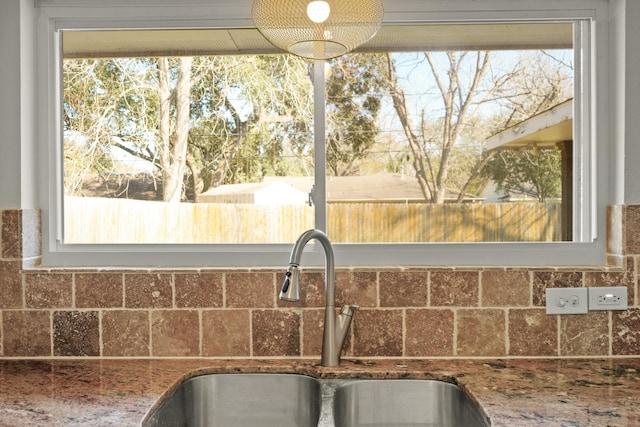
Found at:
(330, 272)
(335, 326)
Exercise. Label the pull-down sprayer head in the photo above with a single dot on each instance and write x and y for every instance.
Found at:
(290, 290)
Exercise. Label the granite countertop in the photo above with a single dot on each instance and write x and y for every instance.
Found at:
(565, 392)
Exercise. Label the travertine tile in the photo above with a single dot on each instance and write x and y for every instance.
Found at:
(21, 234)
(580, 335)
(353, 287)
(312, 330)
(615, 229)
(312, 334)
(404, 289)
(26, 333)
(175, 333)
(481, 332)
(636, 301)
(454, 288)
(276, 333)
(10, 285)
(532, 333)
(311, 289)
(76, 333)
(196, 290)
(377, 333)
(632, 229)
(615, 278)
(429, 332)
(615, 260)
(28, 263)
(31, 233)
(626, 333)
(250, 290)
(99, 290)
(49, 290)
(125, 333)
(505, 288)
(585, 334)
(11, 234)
(556, 279)
(357, 288)
(148, 290)
(226, 333)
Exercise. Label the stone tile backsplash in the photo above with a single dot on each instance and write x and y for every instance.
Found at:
(222, 313)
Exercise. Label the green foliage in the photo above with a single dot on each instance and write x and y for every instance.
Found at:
(353, 103)
(252, 116)
(106, 103)
(537, 173)
(248, 113)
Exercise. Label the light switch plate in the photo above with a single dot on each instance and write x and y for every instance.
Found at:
(567, 300)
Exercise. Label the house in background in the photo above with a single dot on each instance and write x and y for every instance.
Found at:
(490, 194)
(276, 190)
(551, 129)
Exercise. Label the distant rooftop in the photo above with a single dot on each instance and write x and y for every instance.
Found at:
(379, 187)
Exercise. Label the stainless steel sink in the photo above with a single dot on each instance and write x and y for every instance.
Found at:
(241, 400)
(403, 403)
(282, 400)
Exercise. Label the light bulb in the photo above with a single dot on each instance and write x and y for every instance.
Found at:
(318, 11)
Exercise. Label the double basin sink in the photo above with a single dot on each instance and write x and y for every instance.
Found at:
(292, 400)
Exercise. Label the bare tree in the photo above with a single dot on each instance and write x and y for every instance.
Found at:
(432, 154)
(465, 82)
(544, 81)
(251, 114)
(188, 117)
(540, 82)
(173, 149)
(107, 104)
(353, 105)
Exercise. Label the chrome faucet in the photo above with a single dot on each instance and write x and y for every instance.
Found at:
(335, 326)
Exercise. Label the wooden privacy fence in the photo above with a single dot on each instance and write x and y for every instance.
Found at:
(99, 220)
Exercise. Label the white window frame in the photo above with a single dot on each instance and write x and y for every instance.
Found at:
(591, 155)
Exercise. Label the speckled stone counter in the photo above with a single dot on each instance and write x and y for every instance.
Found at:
(511, 392)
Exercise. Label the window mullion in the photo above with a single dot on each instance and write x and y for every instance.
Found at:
(319, 133)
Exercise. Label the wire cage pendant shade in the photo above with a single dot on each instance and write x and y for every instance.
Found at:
(317, 29)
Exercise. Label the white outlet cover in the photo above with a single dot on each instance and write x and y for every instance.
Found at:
(616, 298)
(567, 300)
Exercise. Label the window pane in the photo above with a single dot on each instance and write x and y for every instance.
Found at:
(453, 141)
(186, 149)
(444, 133)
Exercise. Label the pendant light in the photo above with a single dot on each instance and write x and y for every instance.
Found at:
(317, 29)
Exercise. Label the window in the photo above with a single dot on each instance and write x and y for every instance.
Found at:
(451, 138)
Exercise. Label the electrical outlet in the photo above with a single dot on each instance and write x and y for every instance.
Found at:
(608, 298)
(567, 300)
